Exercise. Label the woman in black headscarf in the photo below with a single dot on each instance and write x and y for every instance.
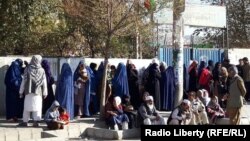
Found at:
(153, 83)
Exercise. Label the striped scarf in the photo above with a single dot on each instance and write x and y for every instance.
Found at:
(34, 74)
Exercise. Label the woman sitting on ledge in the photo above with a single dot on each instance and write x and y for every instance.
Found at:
(52, 117)
(114, 114)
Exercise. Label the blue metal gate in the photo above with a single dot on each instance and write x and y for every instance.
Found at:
(217, 55)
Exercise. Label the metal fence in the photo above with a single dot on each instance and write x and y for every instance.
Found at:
(217, 55)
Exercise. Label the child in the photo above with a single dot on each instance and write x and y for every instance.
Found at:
(214, 110)
(64, 116)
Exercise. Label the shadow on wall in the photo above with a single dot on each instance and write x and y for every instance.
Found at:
(3, 70)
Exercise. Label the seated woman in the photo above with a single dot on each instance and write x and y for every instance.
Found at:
(214, 110)
(114, 114)
(52, 117)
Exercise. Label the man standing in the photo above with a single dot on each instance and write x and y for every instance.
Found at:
(149, 114)
(246, 76)
(235, 97)
(239, 67)
(34, 86)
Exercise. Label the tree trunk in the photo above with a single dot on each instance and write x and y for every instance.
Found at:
(178, 26)
(137, 42)
(103, 90)
(92, 50)
(107, 54)
(104, 80)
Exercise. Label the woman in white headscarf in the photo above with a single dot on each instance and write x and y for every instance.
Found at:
(34, 87)
(214, 110)
(114, 114)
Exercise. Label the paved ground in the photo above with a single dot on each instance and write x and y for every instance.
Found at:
(10, 132)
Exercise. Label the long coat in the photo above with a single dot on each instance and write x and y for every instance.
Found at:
(65, 91)
(13, 79)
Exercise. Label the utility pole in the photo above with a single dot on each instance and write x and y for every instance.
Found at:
(178, 43)
(157, 39)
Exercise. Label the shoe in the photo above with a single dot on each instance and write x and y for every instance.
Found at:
(15, 119)
(78, 117)
(23, 124)
(85, 116)
(35, 124)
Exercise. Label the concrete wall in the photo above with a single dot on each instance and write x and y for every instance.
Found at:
(56, 64)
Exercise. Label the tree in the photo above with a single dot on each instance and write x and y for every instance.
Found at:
(238, 23)
(14, 25)
(25, 24)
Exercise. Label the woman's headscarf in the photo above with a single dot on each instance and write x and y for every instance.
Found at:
(54, 114)
(216, 71)
(14, 72)
(100, 73)
(212, 104)
(120, 81)
(224, 72)
(201, 67)
(117, 100)
(194, 64)
(203, 95)
(46, 67)
(76, 73)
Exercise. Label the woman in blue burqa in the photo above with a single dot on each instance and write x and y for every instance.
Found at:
(168, 90)
(94, 106)
(90, 92)
(47, 102)
(120, 81)
(99, 82)
(82, 84)
(65, 90)
(13, 79)
(99, 77)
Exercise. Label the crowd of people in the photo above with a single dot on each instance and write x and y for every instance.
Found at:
(214, 92)
(132, 98)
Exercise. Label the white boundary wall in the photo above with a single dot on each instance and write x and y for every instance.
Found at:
(235, 54)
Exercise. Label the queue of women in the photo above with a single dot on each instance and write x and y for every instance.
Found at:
(77, 95)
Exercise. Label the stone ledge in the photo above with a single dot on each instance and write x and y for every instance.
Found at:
(49, 139)
(225, 121)
(101, 133)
